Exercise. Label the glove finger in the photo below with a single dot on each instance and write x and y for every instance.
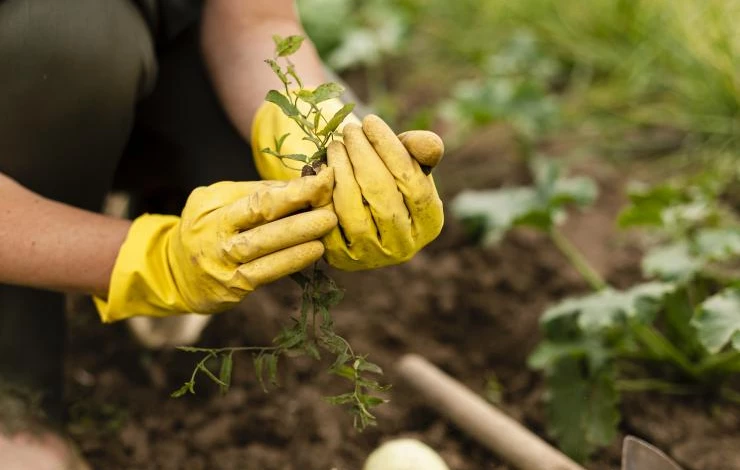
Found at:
(379, 190)
(426, 147)
(418, 189)
(273, 202)
(411, 180)
(354, 216)
(280, 234)
(277, 265)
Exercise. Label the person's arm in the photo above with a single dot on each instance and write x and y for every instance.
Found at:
(237, 38)
(231, 238)
(47, 244)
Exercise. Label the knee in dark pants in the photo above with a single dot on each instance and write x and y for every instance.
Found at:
(73, 71)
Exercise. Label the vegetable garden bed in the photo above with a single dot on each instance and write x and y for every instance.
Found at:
(470, 310)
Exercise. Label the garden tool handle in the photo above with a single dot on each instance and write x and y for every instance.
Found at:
(498, 432)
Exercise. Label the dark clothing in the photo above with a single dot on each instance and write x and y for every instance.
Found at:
(169, 18)
(90, 101)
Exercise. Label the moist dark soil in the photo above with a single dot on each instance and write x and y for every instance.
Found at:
(470, 310)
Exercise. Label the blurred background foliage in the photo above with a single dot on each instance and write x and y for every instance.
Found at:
(630, 77)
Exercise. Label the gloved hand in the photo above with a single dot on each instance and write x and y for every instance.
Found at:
(231, 238)
(388, 208)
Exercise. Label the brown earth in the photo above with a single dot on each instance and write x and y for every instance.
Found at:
(470, 310)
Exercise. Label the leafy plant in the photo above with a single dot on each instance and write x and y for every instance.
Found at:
(684, 76)
(312, 331)
(351, 33)
(514, 86)
(302, 105)
(677, 332)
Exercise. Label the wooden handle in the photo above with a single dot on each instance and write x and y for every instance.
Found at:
(489, 426)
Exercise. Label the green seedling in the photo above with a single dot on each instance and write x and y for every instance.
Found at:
(311, 332)
(677, 332)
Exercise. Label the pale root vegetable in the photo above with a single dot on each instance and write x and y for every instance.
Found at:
(404, 454)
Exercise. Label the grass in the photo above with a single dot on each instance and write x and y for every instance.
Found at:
(627, 63)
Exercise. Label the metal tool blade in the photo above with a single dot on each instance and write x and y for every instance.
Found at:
(639, 455)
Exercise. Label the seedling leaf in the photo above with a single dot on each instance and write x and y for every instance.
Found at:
(224, 375)
(274, 96)
(647, 205)
(718, 244)
(608, 307)
(337, 119)
(540, 207)
(287, 46)
(671, 263)
(278, 71)
(259, 368)
(583, 409)
(186, 387)
(323, 92)
(272, 361)
(342, 399)
(548, 353)
(327, 91)
(366, 366)
(279, 142)
(718, 320)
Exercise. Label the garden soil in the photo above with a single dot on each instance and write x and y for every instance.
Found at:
(470, 310)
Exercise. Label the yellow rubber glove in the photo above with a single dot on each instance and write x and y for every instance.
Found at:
(388, 208)
(231, 238)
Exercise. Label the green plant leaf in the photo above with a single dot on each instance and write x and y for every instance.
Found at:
(290, 338)
(366, 366)
(539, 207)
(300, 279)
(371, 401)
(677, 316)
(647, 205)
(718, 244)
(312, 351)
(337, 119)
(323, 92)
(187, 387)
(659, 348)
(603, 409)
(499, 210)
(718, 320)
(224, 375)
(291, 156)
(287, 46)
(345, 371)
(342, 399)
(274, 96)
(580, 190)
(296, 156)
(272, 361)
(291, 72)
(548, 353)
(278, 71)
(567, 389)
(259, 370)
(608, 308)
(583, 407)
(671, 263)
(279, 142)
(327, 91)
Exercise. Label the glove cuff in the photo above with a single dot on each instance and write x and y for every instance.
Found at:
(142, 282)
